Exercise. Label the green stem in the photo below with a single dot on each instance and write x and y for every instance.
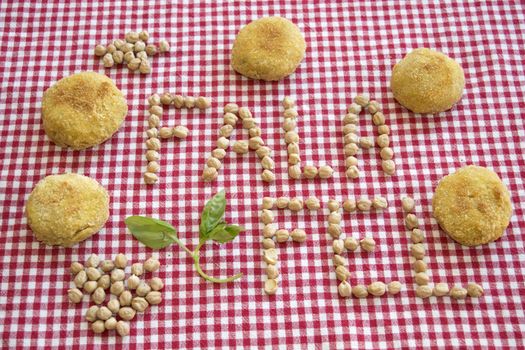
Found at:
(196, 258)
(184, 247)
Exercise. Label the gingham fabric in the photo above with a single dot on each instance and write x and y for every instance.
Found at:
(351, 49)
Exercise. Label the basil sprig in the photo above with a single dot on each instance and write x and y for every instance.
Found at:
(158, 234)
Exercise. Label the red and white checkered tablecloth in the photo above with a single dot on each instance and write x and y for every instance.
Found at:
(351, 48)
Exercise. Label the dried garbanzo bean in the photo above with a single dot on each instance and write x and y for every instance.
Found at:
(125, 298)
(350, 161)
(269, 231)
(143, 289)
(421, 278)
(352, 172)
(129, 56)
(282, 202)
(386, 153)
(394, 287)
(290, 113)
(154, 298)
(388, 166)
(134, 64)
(267, 163)
(218, 153)
(474, 290)
(289, 124)
(91, 313)
(98, 296)
(295, 204)
(351, 149)
(364, 204)
(117, 288)
(294, 159)
(226, 130)
(153, 121)
(189, 101)
(202, 102)
(80, 279)
(110, 323)
(133, 282)
(458, 293)
(360, 291)
(248, 123)
(255, 142)
(418, 251)
(122, 328)
(164, 46)
(325, 171)
(151, 265)
(366, 142)
(339, 260)
(267, 176)
(150, 178)
(342, 273)
(113, 305)
(293, 148)
(282, 235)
(132, 37)
(255, 131)
(103, 313)
(268, 243)
(354, 108)
(118, 57)
(334, 218)
(411, 221)
(378, 119)
(377, 289)
(424, 291)
(93, 261)
(294, 171)
(144, 35)
(368, 244)
(383, 141)
(351, 244)
(178, 101)
(344, 289)
(351, 138)
(108, 60)
(223, 142)
(90, 286)
(209, 174)
(333, 205)
(349, 205)
(383, 130)
(288, 102)
(310, 171)
(231, 108)
(213, 163)
(76, 267)
(263, 151)
(165, 133)
(244, 113)
(270, 256)
(350, 118)
(100, 50)
(181, 132)
(374, 107)
(126, 313)
(266, 216)
(75, 295)
(312, 203)
(152, 132)
(272, 271)
(98, 327)
(408, 204)
(416, 236)
(334, 230)
(338, 246)
(151, 50)
(420, 266)
(362, 100)
(121, 261)
(156, 284)
(349, 128)
(298, 235)
(270, 286)
(268, 203)
(139, 46)
(441, 289)
(291, 137)
(379, 203)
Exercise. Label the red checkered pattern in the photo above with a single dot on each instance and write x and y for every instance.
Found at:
(351, 49)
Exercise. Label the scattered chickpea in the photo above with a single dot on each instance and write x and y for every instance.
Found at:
(153, 122)
(291, 137)
(255, 131)
(132, 37)
(202, 102)
(383, 141)
(126, 313)
(139, 304)
(362, 100)
(152, 155)
(333, 205)
(354, 108)
(374, 107)
(90, 286)
(91, 313)
(151, 50)
(218, 153)
(209, 174)
(263, 151)
(339, 260)
(98, 296)
(295, 172)
(103, 313)
(269, 231)
(416, 236)
(226, 130)
(98, 327)
(383, 130)
(113, 305)
(104, 282)
(117, 275)
(350, 118)
(134, 64)
(100, 50)
(133, 282)
(150, 178)
(351, 161)
(223, 142)
(268, 243)
(121, 261)
(143, 289)
(93, 261)
(118, 57)
(164, 46)
(267, 163)
(181, 132)
(288, 102)
(349, 129)
(293, 148)
(122, 328)
(366, 142)
(268, 203)
(108, 61)
(139, 46)
(418, 251)
(75, 295)
(117, 288)
(289, 124)
(378, 119)
(154, 298)
(76, 267)
(351, 149)
(325, 172)
(144, 35)
(107, 265)
(334, 218)
(151, 265)
(352, 172)
(231, 108)
(178, 101)
(110, 323)
(368, 244)
(129, 56)
(80, 279)
(93, 274)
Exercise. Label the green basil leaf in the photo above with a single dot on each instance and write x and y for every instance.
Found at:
(153, 233)
(226, 233)
(212, 215)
